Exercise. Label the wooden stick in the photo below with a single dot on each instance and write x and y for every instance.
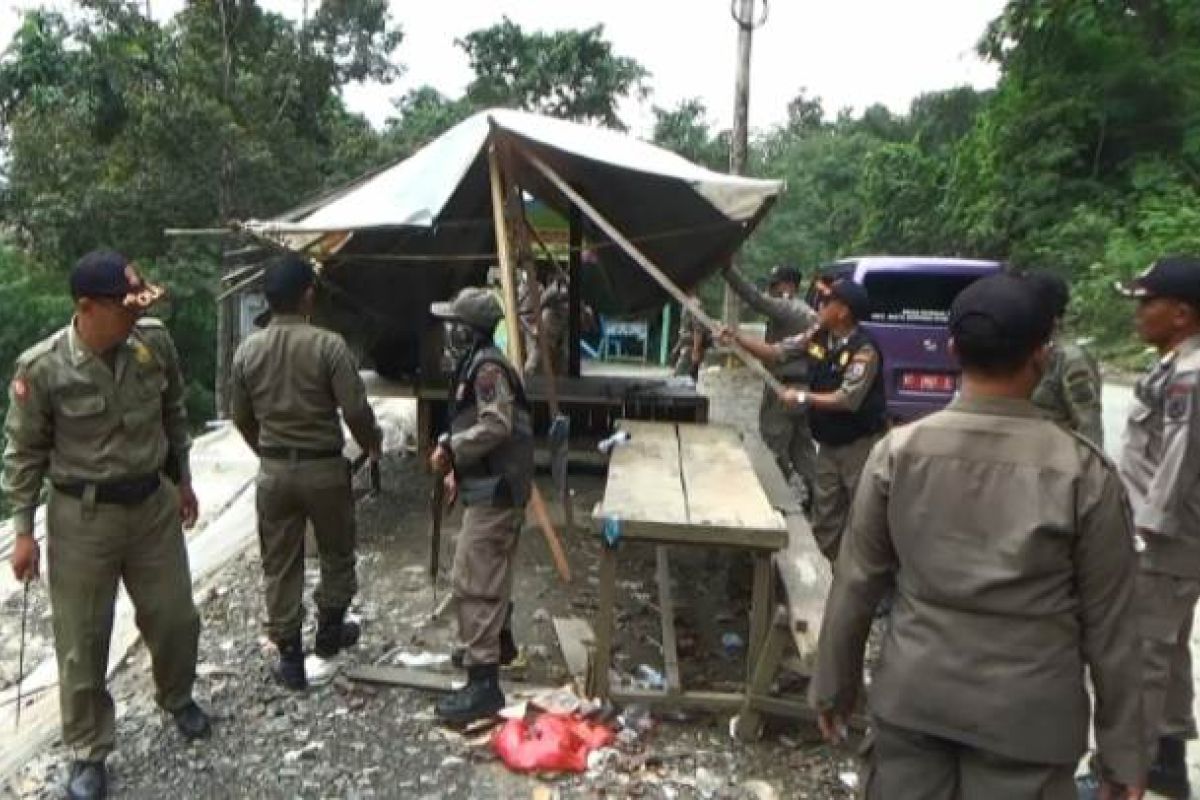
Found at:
(538, 506)
(657, 274)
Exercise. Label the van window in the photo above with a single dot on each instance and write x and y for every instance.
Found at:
(909, 298)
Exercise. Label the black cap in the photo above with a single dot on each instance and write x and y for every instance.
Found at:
(1050, 289)
(287, 277)
(1177, 277)
(854, 296)
(1002, 309)
(107, 273)
(783, 273)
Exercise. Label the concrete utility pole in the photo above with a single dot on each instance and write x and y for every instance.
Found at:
(742, 12)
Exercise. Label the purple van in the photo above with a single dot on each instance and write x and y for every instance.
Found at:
(910, 304)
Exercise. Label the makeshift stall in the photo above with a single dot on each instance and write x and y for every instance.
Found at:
(394, 241)
(652, 226)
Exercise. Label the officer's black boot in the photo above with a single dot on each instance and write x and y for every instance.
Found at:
(479, 699)
(508, 645)
(289, 669)
(1168, 774)
(88, 781)
(335, 632)
(192, 721)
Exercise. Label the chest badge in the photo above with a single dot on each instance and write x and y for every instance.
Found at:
(845, 359)
(142, 354)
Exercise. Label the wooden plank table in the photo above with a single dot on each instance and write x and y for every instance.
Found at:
(678, 484)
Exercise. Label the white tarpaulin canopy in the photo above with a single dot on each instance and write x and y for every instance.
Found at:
(415, 192)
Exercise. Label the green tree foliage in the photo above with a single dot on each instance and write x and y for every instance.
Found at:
(117, 126)
(1084, 159)
(687, 131)
(570, 74)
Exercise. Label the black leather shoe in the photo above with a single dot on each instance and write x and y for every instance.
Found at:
(479, 699)
(335, 632)
(1168, 775)
(192, 722)
(288, 670)
(88, 781)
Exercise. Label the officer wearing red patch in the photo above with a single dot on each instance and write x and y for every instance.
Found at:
(488, 462)
(1159, 464)
(847, 408)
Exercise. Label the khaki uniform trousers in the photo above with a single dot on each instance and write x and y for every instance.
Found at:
(838, 470)
(482, 578)
(786, 434)
(290, 494)
(91, 548)
(1165, 609)
(906, 765)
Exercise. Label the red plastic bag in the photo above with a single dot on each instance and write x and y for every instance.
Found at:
(552, 743)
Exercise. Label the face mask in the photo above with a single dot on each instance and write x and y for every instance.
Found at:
(459, 339)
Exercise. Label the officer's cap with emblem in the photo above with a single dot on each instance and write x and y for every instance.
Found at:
(1177, 277)
(107, 273)
(853, 296)
(473, 306)
(783, 273)
(1001, 309)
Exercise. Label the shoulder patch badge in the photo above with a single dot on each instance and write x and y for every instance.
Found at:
(486, 384)
(1178, 402)
(856, 371)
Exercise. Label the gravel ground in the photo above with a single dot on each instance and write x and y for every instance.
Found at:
(351, 740)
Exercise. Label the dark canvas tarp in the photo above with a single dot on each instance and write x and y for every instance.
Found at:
(422, 228)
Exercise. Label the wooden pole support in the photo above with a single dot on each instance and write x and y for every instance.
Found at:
(657, 274)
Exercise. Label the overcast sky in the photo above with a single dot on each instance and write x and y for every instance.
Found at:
(848, 52)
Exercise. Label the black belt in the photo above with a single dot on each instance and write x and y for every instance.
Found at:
(296, 453)
(126, 492)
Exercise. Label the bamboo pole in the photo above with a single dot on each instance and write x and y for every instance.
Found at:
(508, 274)
(516, 349)
(657, 274)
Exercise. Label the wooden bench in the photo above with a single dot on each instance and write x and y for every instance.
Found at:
(697, 485)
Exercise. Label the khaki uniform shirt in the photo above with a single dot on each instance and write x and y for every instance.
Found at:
(1160, 461)
(1070, 392)
(287, 383)
(786, 317)
(73, 418)
(1009, 546)
(490, 422)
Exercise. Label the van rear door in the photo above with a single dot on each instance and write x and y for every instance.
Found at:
(909, 313)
